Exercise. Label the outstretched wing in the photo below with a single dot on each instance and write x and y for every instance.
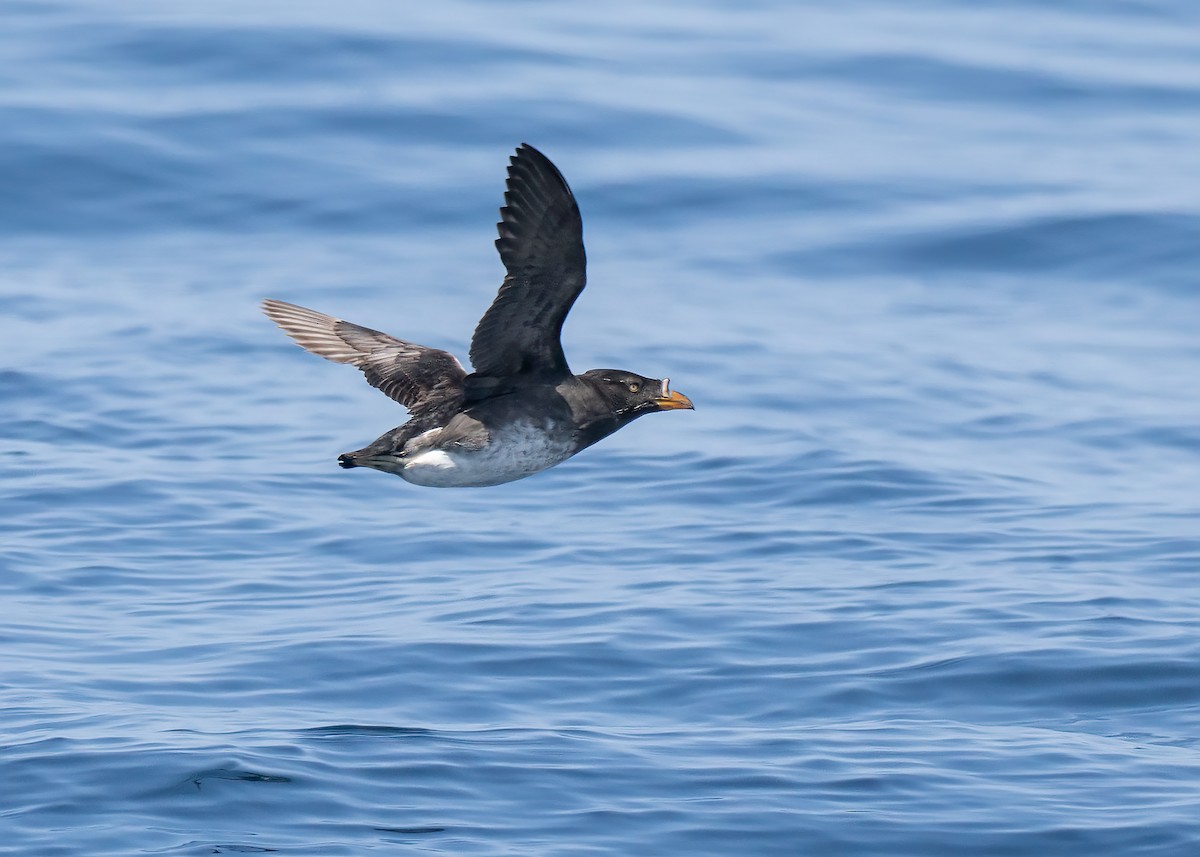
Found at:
(541, 245)
(413, 375)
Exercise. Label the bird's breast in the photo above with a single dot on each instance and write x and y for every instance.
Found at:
(512, 451)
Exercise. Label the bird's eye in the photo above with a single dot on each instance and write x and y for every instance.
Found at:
(634, 386)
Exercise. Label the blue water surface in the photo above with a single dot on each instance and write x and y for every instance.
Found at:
(919, 576)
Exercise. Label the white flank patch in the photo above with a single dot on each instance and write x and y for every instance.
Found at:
(434, 459)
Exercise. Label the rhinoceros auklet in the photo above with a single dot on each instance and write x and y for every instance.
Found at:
(521, 410)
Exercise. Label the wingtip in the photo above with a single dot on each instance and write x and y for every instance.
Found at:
(272, 306)
(526, 150)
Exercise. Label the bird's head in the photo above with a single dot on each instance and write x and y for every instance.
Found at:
(632, 395)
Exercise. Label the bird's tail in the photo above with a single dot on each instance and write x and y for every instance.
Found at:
(377, 459)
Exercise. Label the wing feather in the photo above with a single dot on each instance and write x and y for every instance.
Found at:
(413, 375)
(541, 246)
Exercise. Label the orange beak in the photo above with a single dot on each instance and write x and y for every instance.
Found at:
(674, 401)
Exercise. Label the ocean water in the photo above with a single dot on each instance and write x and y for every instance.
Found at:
(919, 576)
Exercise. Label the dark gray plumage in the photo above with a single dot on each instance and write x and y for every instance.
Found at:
(522, 410)
(541, 246)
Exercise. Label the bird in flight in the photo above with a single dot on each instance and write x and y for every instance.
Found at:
(521, 410)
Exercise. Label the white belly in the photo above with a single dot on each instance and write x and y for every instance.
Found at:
(519, 452)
